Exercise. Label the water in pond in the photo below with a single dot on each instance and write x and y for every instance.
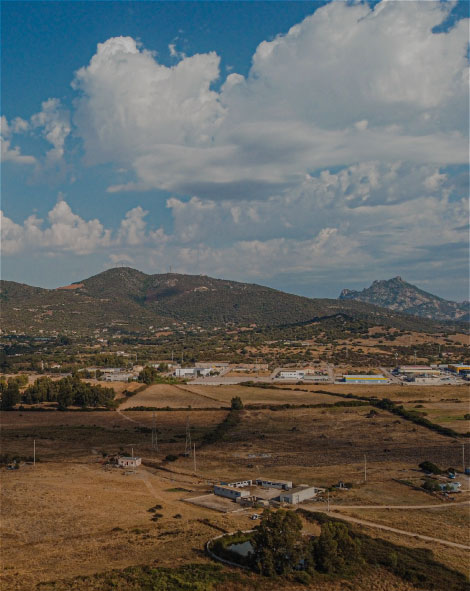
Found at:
(243, 549)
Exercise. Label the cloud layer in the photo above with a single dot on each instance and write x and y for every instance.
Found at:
(347, 84)
(336, 154)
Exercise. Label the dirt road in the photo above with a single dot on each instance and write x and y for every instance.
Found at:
(402, 532)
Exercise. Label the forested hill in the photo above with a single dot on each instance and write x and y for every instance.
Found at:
(129, 301)
(396, 294)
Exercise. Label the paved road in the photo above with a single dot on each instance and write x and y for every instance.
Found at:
(388, 374)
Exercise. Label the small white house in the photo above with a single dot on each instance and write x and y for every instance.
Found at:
(129, 462)
(230, 492)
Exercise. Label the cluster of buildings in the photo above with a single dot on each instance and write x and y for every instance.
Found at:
(265, 492)
(425, 374)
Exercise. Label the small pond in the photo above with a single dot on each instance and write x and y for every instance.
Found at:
(242, 549)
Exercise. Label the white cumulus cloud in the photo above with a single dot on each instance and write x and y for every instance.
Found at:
(347, 84)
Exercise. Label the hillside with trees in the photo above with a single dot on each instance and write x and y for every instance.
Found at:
(126, 301)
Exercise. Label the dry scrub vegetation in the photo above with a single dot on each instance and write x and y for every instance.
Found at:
(69, 516)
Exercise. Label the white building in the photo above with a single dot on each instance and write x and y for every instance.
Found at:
(118, 377)
(230, 492)
(191, 372)
(303, 492)
(282, 484)
(129, 462)
(291, 374)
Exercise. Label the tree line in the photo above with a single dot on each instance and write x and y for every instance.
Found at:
(66, 392)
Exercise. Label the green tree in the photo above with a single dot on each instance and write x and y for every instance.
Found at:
(236, 403)
(277, 547)
(335, 550)
(430, 467)
(430, 485)
(10, 396)
(148, 375)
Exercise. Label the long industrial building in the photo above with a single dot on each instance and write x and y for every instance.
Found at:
(366, 379)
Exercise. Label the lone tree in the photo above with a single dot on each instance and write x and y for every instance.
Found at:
(236, 403)
(277, 543)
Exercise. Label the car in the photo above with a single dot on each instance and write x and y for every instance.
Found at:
(254, 516)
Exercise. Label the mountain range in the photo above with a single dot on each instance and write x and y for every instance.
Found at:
(128, 301)
(396, 294)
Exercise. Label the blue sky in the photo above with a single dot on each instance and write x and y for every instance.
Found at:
(304, 145)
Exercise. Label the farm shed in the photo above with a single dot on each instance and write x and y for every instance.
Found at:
(303, 492)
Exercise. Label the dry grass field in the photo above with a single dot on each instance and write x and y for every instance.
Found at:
(165, 395)
(69, 516)
(396, 392)
(253, 395)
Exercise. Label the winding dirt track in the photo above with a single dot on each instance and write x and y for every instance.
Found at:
(440, 506)
(338, 514)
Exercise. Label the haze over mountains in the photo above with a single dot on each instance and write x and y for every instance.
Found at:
(128, 301)
(396, 294)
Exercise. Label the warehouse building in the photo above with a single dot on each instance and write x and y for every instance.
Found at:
(422, 370)
(230, 492)
(460, 369)
(365, 379)
(301, 493)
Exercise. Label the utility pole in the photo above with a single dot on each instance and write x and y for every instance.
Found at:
(188, 446)
(154, 434)
(194, 457)
(34, 452)
(415, 355)
(328, 502)
(365, 468)
(463, 458)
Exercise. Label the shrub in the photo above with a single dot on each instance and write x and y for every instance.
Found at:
(430, 468)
